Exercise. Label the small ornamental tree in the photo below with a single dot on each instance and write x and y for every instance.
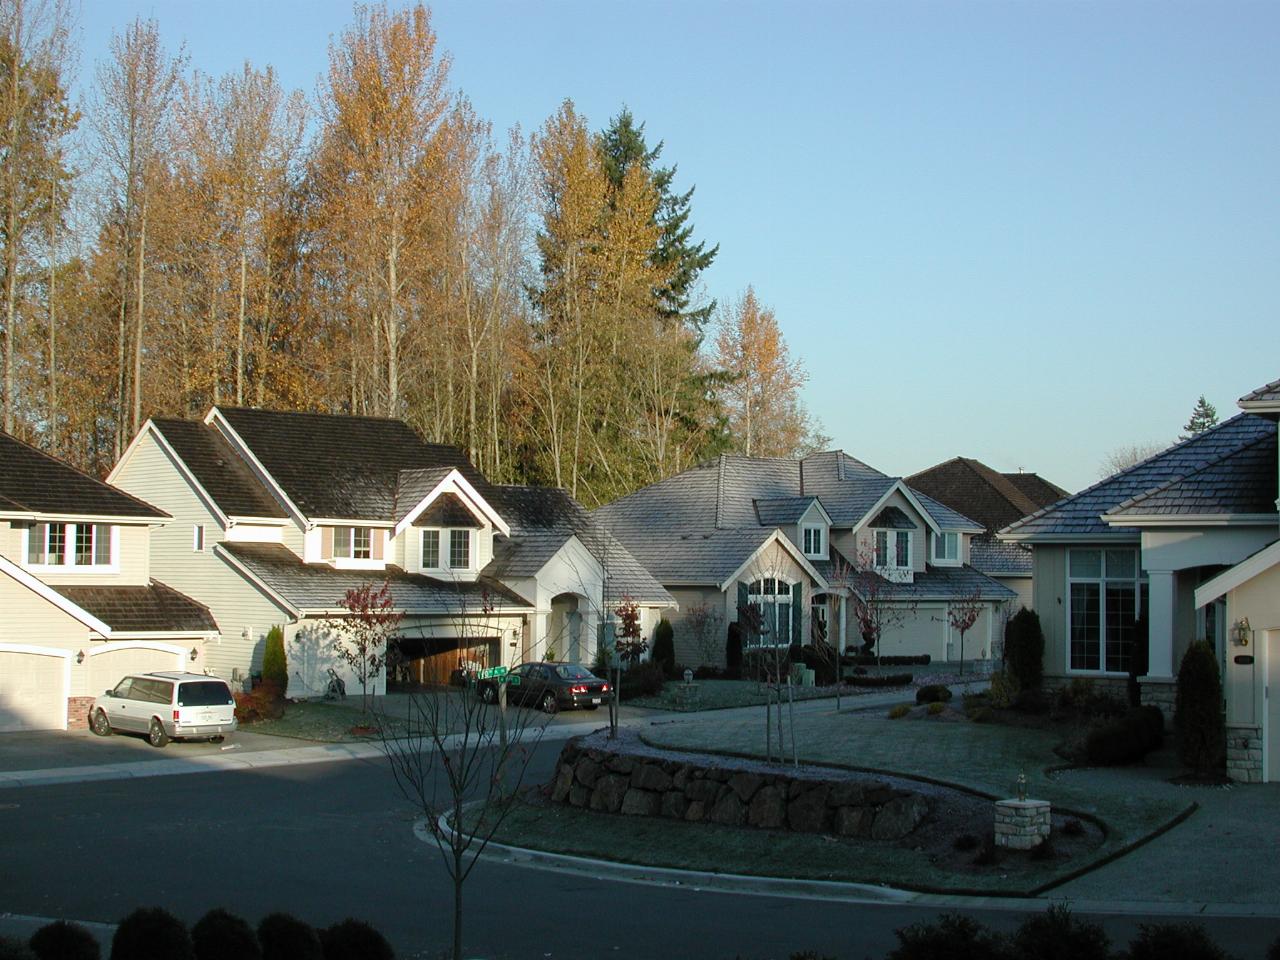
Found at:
(1024, 649)
(875, 602)
(962, 614)
(703, 626)
(631, 646)
(1197, 714)
(361, 637)
(275, 669)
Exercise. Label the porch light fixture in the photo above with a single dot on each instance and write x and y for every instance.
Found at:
(194, 653)
(1241, 632)
(80, 656)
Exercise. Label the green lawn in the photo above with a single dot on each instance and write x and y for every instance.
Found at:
(322, 721)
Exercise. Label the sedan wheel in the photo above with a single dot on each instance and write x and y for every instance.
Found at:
(548, 703)
(100, 724)
(156, 735)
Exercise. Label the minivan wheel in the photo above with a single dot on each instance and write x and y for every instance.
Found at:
(548, 703)
(218, 739)
(100, 724)
(156, 735)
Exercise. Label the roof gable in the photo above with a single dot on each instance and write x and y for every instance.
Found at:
(465, 502)
(213, 463)
(36, 484)
(975, 490)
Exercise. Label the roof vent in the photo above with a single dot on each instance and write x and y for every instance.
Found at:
(839, 464)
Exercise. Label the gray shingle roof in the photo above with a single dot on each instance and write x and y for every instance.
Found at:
(1266, 394)
(1241, 482)
(34, 482)
(413, 485)
(1081, 514)
(221, 471)
(339, 466)
(945, 583)
(777, 511)
(542, 519)
(708, 557)
(153, 608)
(320, 587)
(993, 500)
(997, 559)
(892, 518)
(944, 515)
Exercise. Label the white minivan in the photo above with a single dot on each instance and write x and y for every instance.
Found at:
(165, 706)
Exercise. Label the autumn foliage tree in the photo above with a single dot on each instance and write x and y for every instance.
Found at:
(361, 635)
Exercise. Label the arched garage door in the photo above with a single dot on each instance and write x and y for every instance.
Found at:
(33, 687)
(113, 660)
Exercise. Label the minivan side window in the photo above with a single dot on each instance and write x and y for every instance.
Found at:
(153, 691)
(204, 693)
(122, 688)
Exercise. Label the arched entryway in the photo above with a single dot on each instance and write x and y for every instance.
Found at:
(566, 637)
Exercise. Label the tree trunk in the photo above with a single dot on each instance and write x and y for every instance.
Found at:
(139, 321)
(52, 412)
(244, 256)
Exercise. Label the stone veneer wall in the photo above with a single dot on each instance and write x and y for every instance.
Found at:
(1244, 752)
(638, 785)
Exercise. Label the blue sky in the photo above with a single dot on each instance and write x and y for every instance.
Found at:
(1023, 232)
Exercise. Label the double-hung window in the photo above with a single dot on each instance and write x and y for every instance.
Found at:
(813, 542)
(1106, 593)
(893, 548)
(353, 543)
(430, 549)
(946, 547)
(71, 545)
(448, 549)
(459, 549)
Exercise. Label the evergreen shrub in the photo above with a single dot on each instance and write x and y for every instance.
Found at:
(664, 647)
(733, 651)
(220, 935)
(275, 669)
(354, 940)
(1165, 941)
(62, 940)
(149, 933)
(283, 937)
(1024, 649)
(1197, 716)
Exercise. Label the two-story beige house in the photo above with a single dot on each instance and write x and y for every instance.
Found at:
(79, 608)
(276, 516)
(797, 540)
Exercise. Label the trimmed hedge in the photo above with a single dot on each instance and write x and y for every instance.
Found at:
(220, 935)
(733, 651)
(1126, 740)
(284, 938)
(275, 671)
(62, 940)
(1197, 715)
(664, 647)
(1024, 649)
(870, 660)
(644, 679)
(355, 940)
(151, 932)
(885, 680)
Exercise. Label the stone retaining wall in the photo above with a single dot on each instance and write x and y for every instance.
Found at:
(638, 785)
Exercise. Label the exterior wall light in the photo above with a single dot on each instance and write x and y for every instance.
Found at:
(1241, 631)
(80, 656)
(194, 653)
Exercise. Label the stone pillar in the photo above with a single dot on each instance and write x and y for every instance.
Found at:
(1244, 753)
(1022, 824)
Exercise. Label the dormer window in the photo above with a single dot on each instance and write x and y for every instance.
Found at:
(814, 540)
(430, 549)
(946, 547)
(459, 549)
(893, 549)
(352, 543)
(70, 545)
(446, 549)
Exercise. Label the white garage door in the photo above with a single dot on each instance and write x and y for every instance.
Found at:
(111, 662)
(921, 633)
(33, 691)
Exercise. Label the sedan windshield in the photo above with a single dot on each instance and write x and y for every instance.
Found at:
(574, 671)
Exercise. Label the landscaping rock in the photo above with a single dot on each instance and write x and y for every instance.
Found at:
(608, 793)
(564, 781)
(682, 777)
(695, 812)
(854, 821)
(674, 805)
(650, 776)
(847, 795)
(745, 785)
(579, 796)
(768, 808)
(807, 813)
(622, 765)
(878, 794)
(899, 817)
(587, 772)
(640, 803)
(729, 810)
(704, 791)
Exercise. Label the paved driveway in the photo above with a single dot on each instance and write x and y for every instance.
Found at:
(46, 749)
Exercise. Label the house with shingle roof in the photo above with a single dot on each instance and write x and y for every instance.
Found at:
(994, 500)
(277, 515)
(79, 607)
(797, 540)
(1185, 541)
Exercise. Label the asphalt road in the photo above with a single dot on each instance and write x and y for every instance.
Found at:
(329, 841)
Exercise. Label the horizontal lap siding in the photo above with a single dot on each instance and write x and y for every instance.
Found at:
(204, 576)
(687, 650)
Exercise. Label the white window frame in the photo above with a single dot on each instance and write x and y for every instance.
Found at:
(349, 560)
(773, 601)
(805, 535)
(197, 538)
(939, 539)
(68, 552)
(1139, 581)
(422, 549)
(891, 539)
(471, 552)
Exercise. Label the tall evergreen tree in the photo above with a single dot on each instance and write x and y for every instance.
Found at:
(1203, 416)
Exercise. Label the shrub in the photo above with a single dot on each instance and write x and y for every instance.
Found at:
(1139, 660)
(936, 708)
(821, 659)
(220, 935)
(989, 855)
(965, 842)
(1073, 828)
(260, 703)
(151, 932)
(664, 647)
(1024, 649)
(733, 651)
(1043, 850)
(354, 940)
(275, 671)
(62, 940)
(707, 672)
(898, 712)
(879, 680)
(1004, 688)
(1126, 740)
(1163, 941)
(1057, 935)
(981, 714)
(11, 949)
(1032, 701)
(933, 693)
(284, 938)
(644, 679)
(1197, 714)
(954, 937)
(871, 660)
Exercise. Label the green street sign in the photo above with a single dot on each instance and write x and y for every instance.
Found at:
(513, 681)
(490, 672)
